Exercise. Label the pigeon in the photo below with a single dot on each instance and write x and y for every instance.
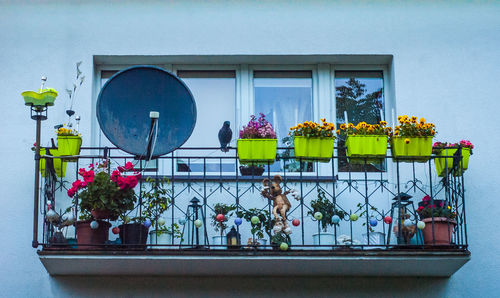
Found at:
(225, 136)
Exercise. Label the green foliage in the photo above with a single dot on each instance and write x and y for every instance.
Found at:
(327, 208)
(104, 194)
(373, 210)
(279, 238)
(221, 208)
(264, 224)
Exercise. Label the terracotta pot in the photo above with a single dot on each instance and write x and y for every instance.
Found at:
(443, 230)
(100, 214)
(134, 233)
(86, 236)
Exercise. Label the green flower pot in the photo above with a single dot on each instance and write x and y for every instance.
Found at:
(59, 164)
(39, 99)
(69, 145)
(372, 148)
(257, 150)
(320, 149)
(418, 149)
(443, 163)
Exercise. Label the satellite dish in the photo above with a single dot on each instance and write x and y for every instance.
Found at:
(126, 100)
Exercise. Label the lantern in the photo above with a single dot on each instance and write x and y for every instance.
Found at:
(233, 239)
(196, 231)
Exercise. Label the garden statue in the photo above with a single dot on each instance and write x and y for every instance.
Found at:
(272, 191)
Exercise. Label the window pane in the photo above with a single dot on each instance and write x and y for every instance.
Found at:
(285, 97)
(214, 93)
(361, 94)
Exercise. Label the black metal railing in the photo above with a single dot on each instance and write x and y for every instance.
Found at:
(376, 209)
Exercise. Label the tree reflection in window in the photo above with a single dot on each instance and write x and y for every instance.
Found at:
(361, 94)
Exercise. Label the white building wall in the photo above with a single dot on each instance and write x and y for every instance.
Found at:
(445, 67)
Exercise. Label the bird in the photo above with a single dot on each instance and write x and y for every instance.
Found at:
(225, 136)
(51, 215)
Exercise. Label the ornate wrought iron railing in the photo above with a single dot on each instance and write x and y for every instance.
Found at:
(376, 203)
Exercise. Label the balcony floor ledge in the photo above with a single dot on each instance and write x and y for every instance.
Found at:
(255, 263)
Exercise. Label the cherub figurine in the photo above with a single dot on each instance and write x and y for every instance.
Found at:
(272, 191)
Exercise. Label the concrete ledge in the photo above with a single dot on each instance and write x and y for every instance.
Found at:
(303, 263)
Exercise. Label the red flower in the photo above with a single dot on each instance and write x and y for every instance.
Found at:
(420, 208)
(426, 198)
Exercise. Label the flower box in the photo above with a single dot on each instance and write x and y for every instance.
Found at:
(59, 164)
(314, 148)
(69, 145)
(257, 150)
(42, 99)
(443, 163)
(373, 147)
(410, 149)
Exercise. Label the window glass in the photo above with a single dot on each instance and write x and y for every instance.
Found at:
(361, 94)
(285, 97)
(214, 93)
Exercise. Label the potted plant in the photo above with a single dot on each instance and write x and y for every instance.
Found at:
(219, 219)
(59, 164)
(257, 142)
(281, 241)
(41, 99)
(324, 211)
(313, 141)
(260, 222)
(69, 142)
(412, 140)
(439, 221)
(376, 238)
(252, 170)
(101, 196)
(365, 141)
(448, 153)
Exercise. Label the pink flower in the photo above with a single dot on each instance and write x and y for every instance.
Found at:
(426, 198)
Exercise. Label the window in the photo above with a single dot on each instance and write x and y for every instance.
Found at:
(285, 97)
(286, 94)
(361, 95)
(214, 93)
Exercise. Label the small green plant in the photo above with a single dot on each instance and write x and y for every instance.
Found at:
(327, 209)
(264, 225)
(227, 211)
(279, 238)
(373, 213)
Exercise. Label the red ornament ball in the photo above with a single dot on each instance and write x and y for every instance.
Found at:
(115, 230)
(220, 217)
(388, 219)
(296, 222)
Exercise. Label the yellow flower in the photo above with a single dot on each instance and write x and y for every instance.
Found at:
(449, 207)
(407, 141)
(323, 120)
(433, 132)
(422, 120)
(350, 125)
(338, 131)
(413, 119)
(343, 126)
(383, 123)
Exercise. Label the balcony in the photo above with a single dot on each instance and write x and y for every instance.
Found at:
(377, 234)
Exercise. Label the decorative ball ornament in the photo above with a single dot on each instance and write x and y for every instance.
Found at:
(182, 221)
(408, 223)
(388, 220)
(147, 223)
(296, 222)
(318, 215)
(335, 219)
(283, 246)
(255, 220)
(354, 217)
(373, 222)
(94, 225)
(161, 221)
(198, 223)
(238, 221)
(126, 219)
(220, 217)
(115, 230)
(420, 225)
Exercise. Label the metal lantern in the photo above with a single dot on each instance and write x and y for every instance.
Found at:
(403, 205)
(233, 239)
(194, 236)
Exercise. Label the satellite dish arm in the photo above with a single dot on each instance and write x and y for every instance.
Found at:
(154, 118)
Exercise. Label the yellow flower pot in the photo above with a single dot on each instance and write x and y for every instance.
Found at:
(257, 150)
(69, 145)
(443, 163)
(417, 149)
(59, 164)
(315, 148)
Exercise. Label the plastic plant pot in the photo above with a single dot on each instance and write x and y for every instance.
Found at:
(257, 150)
(443, 231)
(39, 99)
(315, 148)
(372, 148)
(69, 145)
(418, 149)
(87, 237)
(443, 163)
(59, 164)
